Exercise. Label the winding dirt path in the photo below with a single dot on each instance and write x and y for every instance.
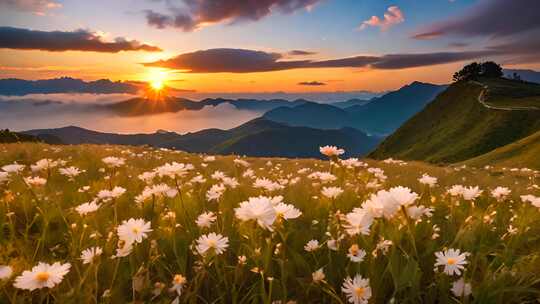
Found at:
(482, 101)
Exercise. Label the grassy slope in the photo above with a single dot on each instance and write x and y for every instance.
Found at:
(456, 127)
(524, 152)
(512, 93)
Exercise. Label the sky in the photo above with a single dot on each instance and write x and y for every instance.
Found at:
(248, 46)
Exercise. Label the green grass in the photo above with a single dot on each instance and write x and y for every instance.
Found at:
(456, 127)
(509, 93)
(522, 153)
(40, 224)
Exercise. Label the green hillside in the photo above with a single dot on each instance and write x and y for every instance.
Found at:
(523, 153)
(456, 126)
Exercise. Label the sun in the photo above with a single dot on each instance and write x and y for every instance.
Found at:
(157, 84)
(156, 79)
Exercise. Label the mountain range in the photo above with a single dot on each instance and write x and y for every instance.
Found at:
(141, 106)
(469, 119)
(258, 137)
(20, 87)
(381, 115)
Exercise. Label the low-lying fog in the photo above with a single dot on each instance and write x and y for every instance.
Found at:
(59, 110)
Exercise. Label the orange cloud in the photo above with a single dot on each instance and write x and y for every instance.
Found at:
(392, 17)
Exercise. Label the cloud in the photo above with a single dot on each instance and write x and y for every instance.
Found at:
(249, 61)
(301, 53)
(39, 7)
(458, 44)
(56, 41)
(402, 61)
(491, 18)
(311, 83)
(196, 13)
(392, 17)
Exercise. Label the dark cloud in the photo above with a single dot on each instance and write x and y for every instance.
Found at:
(34, 6)
(301, 53)
(195, 13)
(311, 83)
(491, 18)
(248, 61)
(402, 61)
(458, 44)
(80, 40)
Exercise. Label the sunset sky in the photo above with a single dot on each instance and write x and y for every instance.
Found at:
(267, 45)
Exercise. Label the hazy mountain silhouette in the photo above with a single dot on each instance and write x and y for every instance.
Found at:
(381, 115)
(20, 87)
(258, 137)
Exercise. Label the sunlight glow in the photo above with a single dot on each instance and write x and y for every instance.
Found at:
(156, 79)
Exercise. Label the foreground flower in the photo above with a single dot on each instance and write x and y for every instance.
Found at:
(403, 196)
(174, 170)
(358, 222)
(267, 184)
(13, 168)
(5, 272)
(428, 180)
(331, 151)
(113, 162)
(107, 195)
(213, 242)
(35, 181)
(42, 275)
(133, 230)
(500, 193)
(286, 211)
(535, 201)
(318, 276)
(356, 254)
(205, 220)
(70, 172)
(461, 289)
(456, 190)
(85, 208)
(178, 283)
(311, 246)
(215, 192)
(43, 164)
(331, 192)
(89, 255)
(471, 193)
(452, 260)
(259, 209)
(357, 290)
(388, 203)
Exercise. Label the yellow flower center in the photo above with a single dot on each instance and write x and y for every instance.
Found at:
(354, 249)
(451, 261)
(359, 291)
(135, 230)
(179, 279)
(42, 276)
(212, 243)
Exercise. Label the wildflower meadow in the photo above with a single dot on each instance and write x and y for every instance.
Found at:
(118, 224)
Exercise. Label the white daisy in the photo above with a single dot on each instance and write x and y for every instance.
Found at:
(42, 275)
(452, 260)
(133, 230)
(216, 243)
(259, 209)
(356, 254)
(90, 254)
(357, 290)
(206, 219)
